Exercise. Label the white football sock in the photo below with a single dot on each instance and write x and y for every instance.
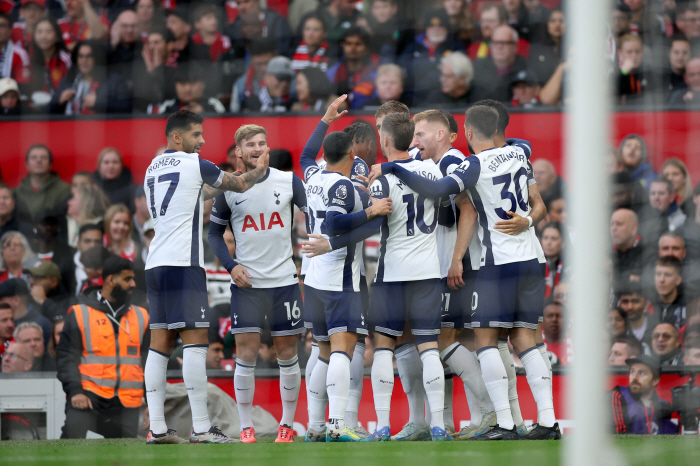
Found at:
(411, 373)
(244, 384)
(448, 417)
(475, 406)
(310, 364)
(434, 385)
(318, 397)
(357, 374)
(509, 365)
(338, 387)
(154, 375)
(290, 380)
(496, 381)
(383, 385)
(543, 351)
(194, 374)
(540, 384)
(465, 365)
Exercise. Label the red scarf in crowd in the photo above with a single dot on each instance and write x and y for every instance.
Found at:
(550, 283)
(302, 59)
(220, 45)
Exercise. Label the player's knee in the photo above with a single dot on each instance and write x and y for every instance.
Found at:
(424, 342)
(285, 350)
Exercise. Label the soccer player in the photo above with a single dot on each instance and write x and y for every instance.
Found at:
(508, 291)
(175, 278)
(264, 277)
(332, 282)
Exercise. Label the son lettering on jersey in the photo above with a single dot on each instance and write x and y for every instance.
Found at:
(425, 174)
(249, 222)
(505, 157)
(166, 162)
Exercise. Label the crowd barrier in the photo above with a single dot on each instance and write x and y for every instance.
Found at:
(76, 143)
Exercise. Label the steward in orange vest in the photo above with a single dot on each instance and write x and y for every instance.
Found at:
(101, 355)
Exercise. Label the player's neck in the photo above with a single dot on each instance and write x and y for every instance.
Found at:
(341, 168)
(440, 152)
(480, 146)
(500, 140)
(173, 146)
(395, 155)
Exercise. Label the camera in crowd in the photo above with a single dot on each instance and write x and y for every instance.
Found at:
(686, 401)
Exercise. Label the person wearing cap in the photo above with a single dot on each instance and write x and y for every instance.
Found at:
(354, 75)
(48, 291)
(190, 89)
(15, 292)
(15, 63)
(31, 11)
(101, 355)
(636, 408)
(274, 94)
(82, 22)
(10, 104)
(525, 90)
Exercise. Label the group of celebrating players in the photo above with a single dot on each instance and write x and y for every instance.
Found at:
(457, 251)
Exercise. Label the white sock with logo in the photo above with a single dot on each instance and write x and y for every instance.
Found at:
(434, 385)
(509, 365)
(496, 381)
(338, 387)
(465, 365)
(318, 397)
(154, 375)
(244, 385)
(383, 385)
(411, 373)
(290, 380)
(540, 384)
(357, 374)
(310, 364)
(194, 374)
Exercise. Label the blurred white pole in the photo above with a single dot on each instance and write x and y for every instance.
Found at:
(587, 142)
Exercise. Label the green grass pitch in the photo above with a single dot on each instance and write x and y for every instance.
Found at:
(632, 450)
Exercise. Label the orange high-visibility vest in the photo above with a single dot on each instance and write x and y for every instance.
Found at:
(108, 364)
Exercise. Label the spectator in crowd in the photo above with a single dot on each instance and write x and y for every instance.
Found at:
(456, 78)
(312, 51)
(384, 26)
(554, 332)
(30, 11)
(494, 73)
(118, 228)
(51, 246)
(627, 193)
(632, 302)
(668, 302)
(493, 15)
(7, 327)
(354, 74)
(633, 154)
(688, 23)
(82, 178)
(190, 94)
(88, 88)
(275, 93)
(87, 206)
(461, 21)
(632, 83)
(58, 324)
(628, 259)
(691, 355)
(98, 399)
(637, 409)
(15, 292)
(621, 20)
(180, 46)
(519, 19)
(662, 197)
(41, 189)
(15, 58)
(9, 218)
(141, 214)
(206, 22)
(338, 16)
(47, 290)
(92, 262)
(50, 60)
(553, 240)
(690, 96)
(624, 348)
(666, 345)
(547, 54)
(674, 71)
(691, 228)
(525, 89)
(17, 358)
(156, 77)
(389, 86)
(314, 91)
(551, 185)
(90, 235)
(675, 170)
(15, 256)
(114, 178)
(30, 334)
(215, 352)
(617, 325)
(645, 22)
(275, 26)
(10, 105)
(672, 244)
(148, 14)
(250, 84)
(125, 46)
(82, 22)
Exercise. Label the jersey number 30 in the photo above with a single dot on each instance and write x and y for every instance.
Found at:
(174, 179)
(506, 194)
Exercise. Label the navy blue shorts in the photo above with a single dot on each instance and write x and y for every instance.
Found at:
(456, 305)
(177, 297)
(364, 293)
(282, 306)
(334, 311)
(508, 295)
(393, 303)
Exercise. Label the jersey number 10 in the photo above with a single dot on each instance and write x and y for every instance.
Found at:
(174, 179)
(416, 212)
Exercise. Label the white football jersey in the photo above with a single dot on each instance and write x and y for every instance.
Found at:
(337, 270)
(408, 250)
(173, 187)
(497, 181)
(261, 221)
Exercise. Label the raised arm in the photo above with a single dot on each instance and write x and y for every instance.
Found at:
(315, 142)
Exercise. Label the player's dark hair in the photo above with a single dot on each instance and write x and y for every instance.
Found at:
(634, 347)
(482, 120)
(393, 106)
(503, 116)
(336, 146)
(400, 128)
(38, 146)
(666, 181)
(360, 131)
(670, 261)
(89, 227)
(454, 127)
(114, 265)
(182, 120)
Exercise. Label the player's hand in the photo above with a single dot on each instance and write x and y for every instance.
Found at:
(332, 112)
(316, 246)
(379, 207)
(362, 188)
(81, 402)
(374, 173)
(514, 226)
(454, 275)
(264, 159)
(240, 277)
